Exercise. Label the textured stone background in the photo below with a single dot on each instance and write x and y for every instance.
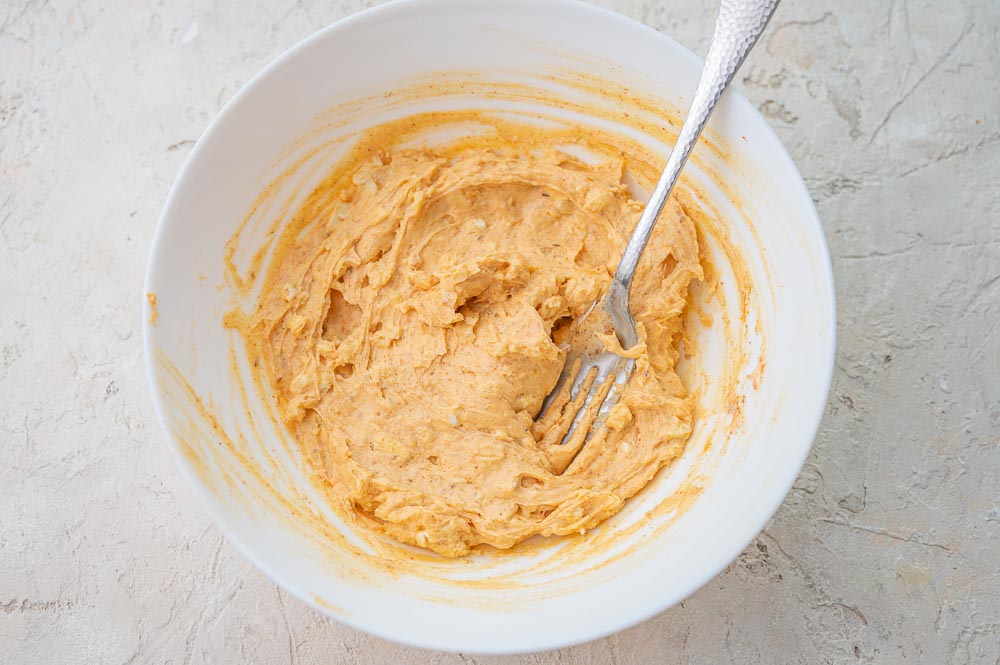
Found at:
(887, 549)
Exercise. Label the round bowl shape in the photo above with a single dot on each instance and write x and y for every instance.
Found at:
(253, 482)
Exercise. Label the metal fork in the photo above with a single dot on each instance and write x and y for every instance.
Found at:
(596, 377)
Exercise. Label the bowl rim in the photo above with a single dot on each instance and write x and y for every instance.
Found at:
(785, 475)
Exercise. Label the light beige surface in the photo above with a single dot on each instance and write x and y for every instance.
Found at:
(885, 551)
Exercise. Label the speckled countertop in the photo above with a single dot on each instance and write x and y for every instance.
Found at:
(887, 549)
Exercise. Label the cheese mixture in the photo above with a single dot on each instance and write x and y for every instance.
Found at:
(420, 308)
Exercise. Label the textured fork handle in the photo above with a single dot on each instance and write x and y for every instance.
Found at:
(739, 25)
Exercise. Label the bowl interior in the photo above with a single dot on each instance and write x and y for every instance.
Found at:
(763, 366)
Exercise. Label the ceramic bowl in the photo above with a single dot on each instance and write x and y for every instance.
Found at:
(761, 372)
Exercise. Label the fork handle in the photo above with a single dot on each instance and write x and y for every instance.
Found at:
(737, 28)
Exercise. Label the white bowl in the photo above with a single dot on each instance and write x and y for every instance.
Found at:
(758, 420)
